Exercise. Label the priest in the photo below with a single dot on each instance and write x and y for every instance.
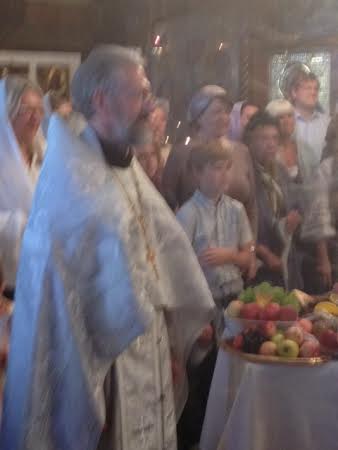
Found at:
(109, 295)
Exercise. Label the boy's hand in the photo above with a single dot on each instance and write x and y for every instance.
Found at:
(215, 257)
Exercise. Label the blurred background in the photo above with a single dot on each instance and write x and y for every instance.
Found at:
(248, 47)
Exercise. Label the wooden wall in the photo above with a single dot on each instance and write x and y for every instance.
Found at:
(44, 26)
(192, 29)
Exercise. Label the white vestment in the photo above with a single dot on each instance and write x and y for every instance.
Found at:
(17, 183)
(94, 322)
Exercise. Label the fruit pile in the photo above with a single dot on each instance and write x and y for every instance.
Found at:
(266, 339)
(303, 339)
(265, 302)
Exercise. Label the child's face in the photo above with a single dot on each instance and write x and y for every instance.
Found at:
(212, 179)
(264, 144)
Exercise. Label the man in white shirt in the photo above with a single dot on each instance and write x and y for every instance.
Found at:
(311, 124)
(311, 128)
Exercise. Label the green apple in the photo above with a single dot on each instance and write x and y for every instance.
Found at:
(288, 349)
(277, 338)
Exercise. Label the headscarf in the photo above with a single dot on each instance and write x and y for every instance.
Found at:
(202, 99)
(16, 187)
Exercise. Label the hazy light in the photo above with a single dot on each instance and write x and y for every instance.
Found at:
(178, 124)
(187, 140)
(157, 39)
(166, 140)
(157, 51)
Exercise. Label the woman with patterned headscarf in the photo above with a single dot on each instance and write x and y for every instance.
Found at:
(209, 119)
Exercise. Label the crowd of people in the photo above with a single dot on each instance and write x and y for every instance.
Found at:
(118, 303)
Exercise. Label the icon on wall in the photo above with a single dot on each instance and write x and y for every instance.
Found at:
(284, 65)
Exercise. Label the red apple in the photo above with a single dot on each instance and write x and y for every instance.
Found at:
(250, 311)
(309, 349)
(268, 329)
(295, 334)
(288, 313)
(237, 343)
(261, 314)
(268, 348)
(306, 324)
(328, 339)
(271, 311)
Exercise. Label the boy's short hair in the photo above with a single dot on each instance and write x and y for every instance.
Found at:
(209, 153)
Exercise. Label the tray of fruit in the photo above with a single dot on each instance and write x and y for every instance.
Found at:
(266, 303)
(269, 344)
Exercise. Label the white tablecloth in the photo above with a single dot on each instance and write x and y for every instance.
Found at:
(271, 407)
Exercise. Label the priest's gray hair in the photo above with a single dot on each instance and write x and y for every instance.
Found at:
(15, 88)
(102, 69)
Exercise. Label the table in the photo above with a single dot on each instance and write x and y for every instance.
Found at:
(271, 407)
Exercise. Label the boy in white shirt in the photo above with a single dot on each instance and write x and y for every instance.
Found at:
(217, 225)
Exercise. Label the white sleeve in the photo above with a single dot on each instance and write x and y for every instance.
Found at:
(12, 225)
(245, 231)
(187, 218)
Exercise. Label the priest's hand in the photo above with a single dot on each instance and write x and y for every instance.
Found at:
(206, 337)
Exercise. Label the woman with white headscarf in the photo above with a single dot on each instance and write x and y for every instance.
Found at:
(287, 155)
(21, 152)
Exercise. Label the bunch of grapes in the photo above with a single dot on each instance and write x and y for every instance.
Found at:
(252, 341)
